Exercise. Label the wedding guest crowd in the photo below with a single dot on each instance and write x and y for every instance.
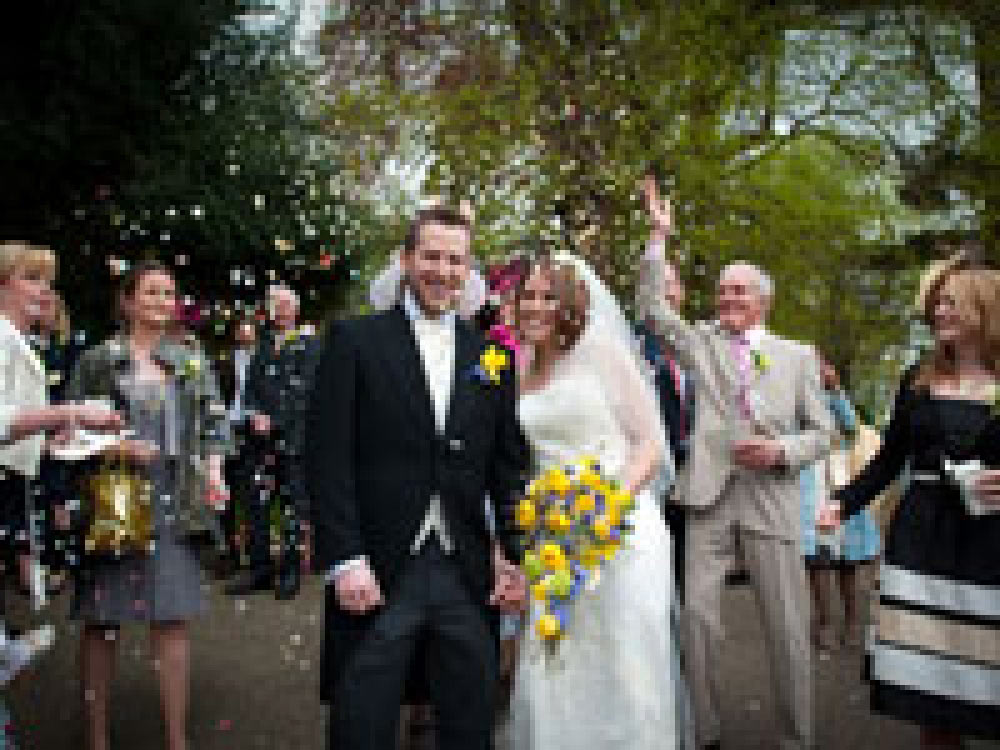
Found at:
(152, 391)
(770, 453)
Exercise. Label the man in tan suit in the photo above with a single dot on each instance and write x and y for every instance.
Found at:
(759, 418)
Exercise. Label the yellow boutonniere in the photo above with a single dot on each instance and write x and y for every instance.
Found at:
(493, 362)
(192, 366)
(761, 362)
(287, 339)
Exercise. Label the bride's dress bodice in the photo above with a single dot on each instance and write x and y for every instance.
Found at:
(570, 417)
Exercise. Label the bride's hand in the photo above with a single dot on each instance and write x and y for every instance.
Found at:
(510, 587)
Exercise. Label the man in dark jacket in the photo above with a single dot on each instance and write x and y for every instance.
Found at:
(406, 439)
(278, 382)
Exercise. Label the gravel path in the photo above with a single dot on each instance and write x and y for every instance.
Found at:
(254, 685)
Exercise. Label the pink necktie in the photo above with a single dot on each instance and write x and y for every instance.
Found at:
(742, 361)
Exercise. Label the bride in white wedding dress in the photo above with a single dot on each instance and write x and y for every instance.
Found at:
(612, 682)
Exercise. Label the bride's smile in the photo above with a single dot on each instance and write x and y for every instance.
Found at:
(536, 309)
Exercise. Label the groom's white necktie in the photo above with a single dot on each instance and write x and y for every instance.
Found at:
(436, 344)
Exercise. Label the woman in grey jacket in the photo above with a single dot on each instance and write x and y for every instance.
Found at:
(171, 401)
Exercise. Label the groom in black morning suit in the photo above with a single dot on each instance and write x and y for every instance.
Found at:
(406, 437)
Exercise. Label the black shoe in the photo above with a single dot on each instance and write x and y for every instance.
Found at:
(225, 567)
(421, 729)
(712, 746)
(255, 579)
(289, 583)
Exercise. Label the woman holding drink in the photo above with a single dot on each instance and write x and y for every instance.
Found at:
(934, 656)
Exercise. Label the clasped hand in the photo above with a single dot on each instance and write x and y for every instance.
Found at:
(510, 587)
(358, 590)
(758, 453)
(987, 486)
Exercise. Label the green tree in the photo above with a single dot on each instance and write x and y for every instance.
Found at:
(229, 177)
(546, 115)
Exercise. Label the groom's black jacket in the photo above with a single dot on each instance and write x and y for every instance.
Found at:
(374, 457)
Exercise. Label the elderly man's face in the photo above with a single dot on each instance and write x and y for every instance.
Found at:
(740, 304)
(284, 310)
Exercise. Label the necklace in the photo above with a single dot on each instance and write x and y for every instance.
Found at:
(979, 388)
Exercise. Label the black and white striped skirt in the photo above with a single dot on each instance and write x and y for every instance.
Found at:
(934, 645)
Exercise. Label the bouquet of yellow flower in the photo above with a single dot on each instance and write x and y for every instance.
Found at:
(574, 521)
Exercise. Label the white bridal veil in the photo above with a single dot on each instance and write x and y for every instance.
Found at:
(609, 347)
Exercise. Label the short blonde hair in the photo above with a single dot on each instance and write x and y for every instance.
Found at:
(17, 256)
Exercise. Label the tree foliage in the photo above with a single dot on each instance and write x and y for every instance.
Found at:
(191, 138)
(789, 135)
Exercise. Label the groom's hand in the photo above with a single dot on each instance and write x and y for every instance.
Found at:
(358, 590)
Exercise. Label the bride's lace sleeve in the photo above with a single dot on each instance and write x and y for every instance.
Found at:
(634, 403)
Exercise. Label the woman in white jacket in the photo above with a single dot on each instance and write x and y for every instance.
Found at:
(26, 418)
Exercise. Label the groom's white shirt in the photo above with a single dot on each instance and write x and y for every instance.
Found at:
(436, 344)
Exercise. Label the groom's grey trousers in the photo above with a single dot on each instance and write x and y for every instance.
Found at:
(778, 572)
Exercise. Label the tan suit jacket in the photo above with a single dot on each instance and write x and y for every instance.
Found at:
(788, 406)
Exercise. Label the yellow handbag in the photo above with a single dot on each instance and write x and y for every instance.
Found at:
(121, 512)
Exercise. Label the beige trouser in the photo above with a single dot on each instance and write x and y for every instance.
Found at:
(778, 573)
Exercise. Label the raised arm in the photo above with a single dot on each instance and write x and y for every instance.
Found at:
(18, 421)
(652, 272)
